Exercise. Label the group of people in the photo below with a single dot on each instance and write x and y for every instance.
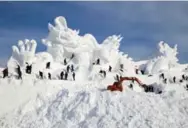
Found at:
(174, 78)
(28, 70)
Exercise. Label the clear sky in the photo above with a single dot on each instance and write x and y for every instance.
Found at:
(142, 24)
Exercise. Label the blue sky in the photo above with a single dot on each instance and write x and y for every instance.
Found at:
(142, 24)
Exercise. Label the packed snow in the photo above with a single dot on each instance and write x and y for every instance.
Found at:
(34, 102)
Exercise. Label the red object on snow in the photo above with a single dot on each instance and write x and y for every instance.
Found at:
(117, 86)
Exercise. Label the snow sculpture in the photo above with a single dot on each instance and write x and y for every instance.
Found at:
(25, 51)
(24, 54)
(167, 59)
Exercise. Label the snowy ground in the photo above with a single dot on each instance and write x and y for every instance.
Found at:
(34, 103)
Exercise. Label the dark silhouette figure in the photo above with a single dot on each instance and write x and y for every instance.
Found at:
(121, 66)
(72, 68)
(186, 78)
(28, 68)
(98, 61)
(72, 56)
(104, 73)
(68, 68)
(181, 81)
(162, 75)
(41, 74)
(19, 72)
(186, 87)
(66, 75)
(5, 72)
(49, 76)
(174, 79)
(142, 71)
(110, 69)
(48, 65)
(165, 80)
(73, 76)
(131, 86)
(101, 71)
(62, 75)
(183, 77)
(65, 61)
(117, 77)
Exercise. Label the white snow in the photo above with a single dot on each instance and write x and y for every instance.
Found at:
(85, 103)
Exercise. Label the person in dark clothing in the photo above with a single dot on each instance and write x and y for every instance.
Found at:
(162, 75)
(5, 72)
(62, 75)
(101, 71)
(131, 86)
(98, 61)
(66, 75)
(48, 65)
(165, 80)
(142, 71)
(183, 77)
(49, 76)
(181, 81)
(110, 68)
(65, 61)
(72, 56)
(73, 76)
(174, 79)
(117, 77)
(68, 68)
(121, 66)
(28, 68)
(72, 68)
(41, 74)
(104, 73)
(19, 72)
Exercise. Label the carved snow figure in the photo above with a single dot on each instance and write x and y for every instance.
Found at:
(166, 60)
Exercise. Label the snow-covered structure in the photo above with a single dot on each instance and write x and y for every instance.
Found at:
(166, 60)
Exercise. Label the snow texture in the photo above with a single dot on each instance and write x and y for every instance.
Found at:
(85, 102)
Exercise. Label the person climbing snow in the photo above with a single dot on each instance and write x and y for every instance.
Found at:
(104, 74)
(48, 65)
(19, 72)
(73, 76)
(72, 68)
(49, 76)
(28, 68)
(174, 79)
(110, 68)
(65, 61)
(72, 56)
(66, 75)
(62, 75)
(162, 76)
(121, 67)
(68, 68)
(98, 61)
(41, 74)
(5, 72)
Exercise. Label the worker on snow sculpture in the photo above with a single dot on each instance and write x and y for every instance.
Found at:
(72, 68)
(19, 72)
(121, 67)
(28, 68)
(49, 76)
(174, 79)
(48, 65)
(66, 75)
(73, 76)
(72, 56)
(104, 73)
(5, 72)
(68, 68)
(40, 74)
(98, 61)
(62, 75)
(110, 68)
(162, 76)
(65, 61)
